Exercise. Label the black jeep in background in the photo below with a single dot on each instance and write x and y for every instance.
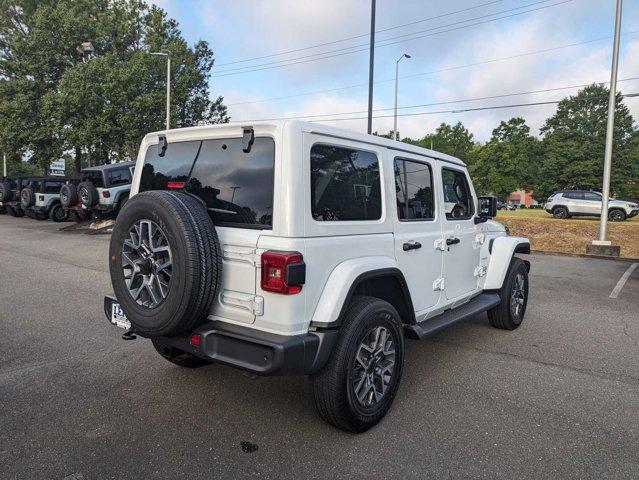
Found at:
(40, 199)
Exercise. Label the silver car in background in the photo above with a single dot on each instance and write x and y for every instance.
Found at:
(568, 203)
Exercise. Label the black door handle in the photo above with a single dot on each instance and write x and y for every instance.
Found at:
(411, 246)
(452, 241)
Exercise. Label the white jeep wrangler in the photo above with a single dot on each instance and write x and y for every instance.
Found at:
(295, 248)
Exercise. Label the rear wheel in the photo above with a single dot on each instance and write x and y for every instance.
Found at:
(179, 357)
(616, 215)
(509, 314)
(561, 213)
(58, 213)
(15, 211)
(357, 386)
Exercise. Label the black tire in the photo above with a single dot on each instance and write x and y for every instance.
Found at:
(15, 211)
(40, 216)
(504, 315)
(122, 201)
(27, 197)
(68, 195)
(3, 210)
(58, 213)
(5, 192)
(561, 213)
(616, 215)
(179, 357)
(333, 387)
(88, 194)
(196, 269)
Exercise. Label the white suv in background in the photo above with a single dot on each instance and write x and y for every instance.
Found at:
(568, 203)
(293, 248)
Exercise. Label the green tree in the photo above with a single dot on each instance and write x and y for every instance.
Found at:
(508, 161)
(574, 143)
(455, 140)
(53, 102)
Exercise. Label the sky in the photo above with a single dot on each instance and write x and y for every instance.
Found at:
(461, 51)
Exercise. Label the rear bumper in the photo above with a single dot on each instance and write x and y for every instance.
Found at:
(255, 351)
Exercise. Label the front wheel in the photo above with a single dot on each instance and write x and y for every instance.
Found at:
(561, 213)
(510, 312)
(179, 357)
(357, 386)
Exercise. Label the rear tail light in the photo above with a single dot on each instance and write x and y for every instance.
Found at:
(41, 198)
(106, 194)
(196, 339)
(283, 272)
(176, 185)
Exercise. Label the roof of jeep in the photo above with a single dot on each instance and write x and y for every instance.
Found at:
(108, 166)
(318, 128)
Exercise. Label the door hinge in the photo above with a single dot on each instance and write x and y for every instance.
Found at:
(439, 285)
(252, 303)
(242, 255)
(440, 244)
(480, 271)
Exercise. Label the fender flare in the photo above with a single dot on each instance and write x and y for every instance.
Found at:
(118, 195)
(502, 250)
(343, 281)
(51, 203)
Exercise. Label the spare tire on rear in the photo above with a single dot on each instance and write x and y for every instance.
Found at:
(165, 262)
(68, 195)
(88, 194)
(5, 192)
(27, 197)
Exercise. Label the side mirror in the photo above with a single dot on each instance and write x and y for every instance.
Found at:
(487, 207)
(162, 145)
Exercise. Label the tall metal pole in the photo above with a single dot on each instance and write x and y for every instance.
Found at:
(168, 92)
(396, 88)
(603, 226)
(4, 164)
(371, 70)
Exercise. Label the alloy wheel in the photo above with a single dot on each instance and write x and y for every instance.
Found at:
(518, 296)
(374, 367)
(147, 263)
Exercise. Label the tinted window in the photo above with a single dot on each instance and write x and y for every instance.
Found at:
(345, 184)
(414, 187)
(457, 197)
(236, 186)
(95, 177)
(574, 195)
(52, 187)
(121, 176)
(174, 166)
(592, 196)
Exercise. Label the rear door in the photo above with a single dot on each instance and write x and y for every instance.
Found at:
(237, 190)
(460, 243)
(592, 203)
(417, 229)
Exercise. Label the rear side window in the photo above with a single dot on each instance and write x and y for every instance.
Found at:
(345, 184)
(95, 177)
(592, 196)
(121, 176)
(574, 195)
(458, 200)
(237, 187)
(414, 187)
(52, 187)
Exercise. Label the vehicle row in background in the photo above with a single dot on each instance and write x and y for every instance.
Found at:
(100, 192)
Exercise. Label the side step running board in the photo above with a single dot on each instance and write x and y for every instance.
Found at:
(428, 327)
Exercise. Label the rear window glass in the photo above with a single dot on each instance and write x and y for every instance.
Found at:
(345, 184)
(237, 187)
(414, 190)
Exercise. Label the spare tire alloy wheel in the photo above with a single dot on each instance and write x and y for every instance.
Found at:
(88, 194)
(147, 263)
(27, 197)
(165, 263)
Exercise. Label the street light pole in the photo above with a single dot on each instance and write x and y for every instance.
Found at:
(4, 164)
(395, 132)
(168, 86)
(603, 226)
(371, 70)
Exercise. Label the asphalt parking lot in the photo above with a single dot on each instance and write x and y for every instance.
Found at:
(557, 398)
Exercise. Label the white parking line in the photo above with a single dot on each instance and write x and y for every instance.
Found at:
(622, 281)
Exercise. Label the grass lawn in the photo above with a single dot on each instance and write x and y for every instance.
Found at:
(569, 236)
